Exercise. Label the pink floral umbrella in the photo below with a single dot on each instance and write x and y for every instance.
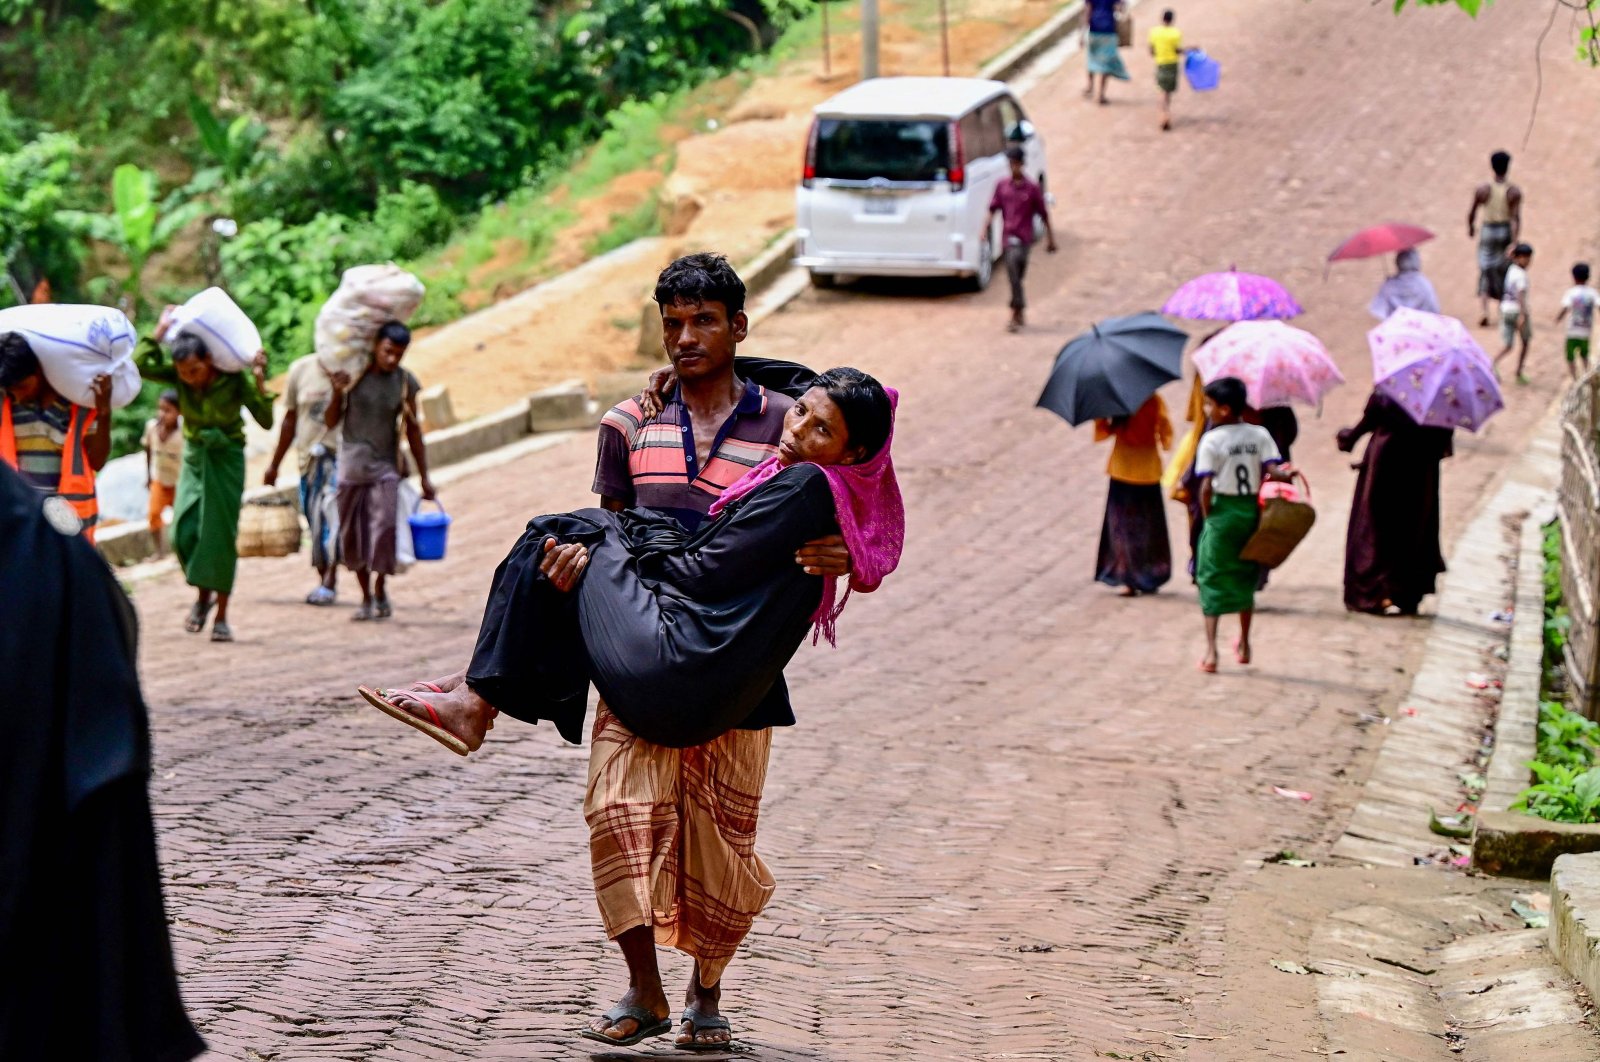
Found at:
(1232, 296)
(1277, 363)
(1431, 365)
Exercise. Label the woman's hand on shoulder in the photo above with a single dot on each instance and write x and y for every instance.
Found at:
(825, 556)
(656, 389)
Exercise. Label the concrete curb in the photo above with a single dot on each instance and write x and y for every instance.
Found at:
(1009, 63)
(1575, 917)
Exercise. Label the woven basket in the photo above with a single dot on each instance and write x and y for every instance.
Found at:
(1284, 525)
(269, 527)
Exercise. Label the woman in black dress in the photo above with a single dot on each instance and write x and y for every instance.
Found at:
(684, 636)
(1392, 556)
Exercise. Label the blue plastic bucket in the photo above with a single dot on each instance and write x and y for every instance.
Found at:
(429, 533)
(1204, 72)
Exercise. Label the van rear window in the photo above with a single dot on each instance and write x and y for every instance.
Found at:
(859, 149)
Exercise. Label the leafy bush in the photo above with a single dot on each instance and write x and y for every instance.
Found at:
(1562, 793)
(1566, 739)
(35, 186)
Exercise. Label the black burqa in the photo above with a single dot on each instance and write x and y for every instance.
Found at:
(684, 635)
(87, 967)
(1392, 553)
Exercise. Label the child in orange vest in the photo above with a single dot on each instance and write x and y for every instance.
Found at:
(55, 445)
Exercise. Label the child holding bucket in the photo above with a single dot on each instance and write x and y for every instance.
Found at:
(371, 413)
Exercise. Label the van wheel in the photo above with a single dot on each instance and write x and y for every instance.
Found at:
(824, 281)
(979, 281)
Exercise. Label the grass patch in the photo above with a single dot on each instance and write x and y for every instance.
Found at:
(643, 220)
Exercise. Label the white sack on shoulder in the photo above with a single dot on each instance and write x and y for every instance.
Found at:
(368, 297)
(230, 336)
(74, 344)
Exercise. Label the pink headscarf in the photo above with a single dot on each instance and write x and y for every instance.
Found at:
(872, 519)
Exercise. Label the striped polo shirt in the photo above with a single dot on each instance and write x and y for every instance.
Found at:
(41, 432)
(652, 464)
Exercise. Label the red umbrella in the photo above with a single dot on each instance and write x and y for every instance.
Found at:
(1380, 239)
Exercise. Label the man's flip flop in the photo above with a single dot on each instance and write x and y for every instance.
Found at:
(380, 699)
(647, 1025)
(699, 1023)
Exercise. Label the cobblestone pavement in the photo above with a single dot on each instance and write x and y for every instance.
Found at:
(1012, 818)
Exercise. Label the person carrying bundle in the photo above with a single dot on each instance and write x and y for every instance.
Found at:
(56, 445)
(205, 519)
(371, 412)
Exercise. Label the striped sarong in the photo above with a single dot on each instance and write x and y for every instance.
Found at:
(672, 838)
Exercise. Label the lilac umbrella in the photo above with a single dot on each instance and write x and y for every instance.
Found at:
(1431, 365)
(1232, 296)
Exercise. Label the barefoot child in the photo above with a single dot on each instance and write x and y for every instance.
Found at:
(1579, 301)
(1514, 319)
(1232, 459)
(163, 461)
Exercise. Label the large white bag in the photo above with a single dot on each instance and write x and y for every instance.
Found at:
(368, 297)
(230, 336)
(408, 501)
(74, 344)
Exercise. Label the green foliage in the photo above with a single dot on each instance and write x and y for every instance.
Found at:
(1566, 739)
(1471, 7)
(35, 185)
(643, 220)
(137, 226)
(1562, 793)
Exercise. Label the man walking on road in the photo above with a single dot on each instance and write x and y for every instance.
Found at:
(372, 412)
(305, 408)
(1019, 200)
(656, 880)
(1501, 203)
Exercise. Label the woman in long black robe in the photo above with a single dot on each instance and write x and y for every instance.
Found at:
(684, 636)
(85, 962)
(1392, 555)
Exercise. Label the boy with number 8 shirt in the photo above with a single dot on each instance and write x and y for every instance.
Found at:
(1231, 461)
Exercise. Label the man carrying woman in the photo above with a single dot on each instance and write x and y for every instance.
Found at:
(205, 516)
(685, 633)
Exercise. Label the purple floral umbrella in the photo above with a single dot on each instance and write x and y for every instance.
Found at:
(1232, 296)
(1431, 365)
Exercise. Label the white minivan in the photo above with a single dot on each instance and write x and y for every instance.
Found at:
(898, 176)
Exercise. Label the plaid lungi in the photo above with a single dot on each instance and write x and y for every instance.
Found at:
(672, 838)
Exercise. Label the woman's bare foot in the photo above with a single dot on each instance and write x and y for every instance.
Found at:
(703, 1022)
(1241, 651)
(447, 684)
(461, 711)
(622, 1028)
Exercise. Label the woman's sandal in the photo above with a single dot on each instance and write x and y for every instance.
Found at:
(197, 617)
(221, 632)
(383, 701)
(385, 610)
(1240, 654)
(322, 597)
(363, 613)
(1207, 668)
(646, 1025)
(699, 1023)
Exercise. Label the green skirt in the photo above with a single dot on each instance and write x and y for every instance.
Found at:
(205, 515)
(1227, 583)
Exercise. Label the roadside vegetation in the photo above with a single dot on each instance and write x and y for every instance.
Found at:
(1566, 777)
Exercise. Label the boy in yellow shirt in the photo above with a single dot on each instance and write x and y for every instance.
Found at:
(1166, 45)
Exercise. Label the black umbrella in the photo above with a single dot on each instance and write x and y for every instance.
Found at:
(1111, 370)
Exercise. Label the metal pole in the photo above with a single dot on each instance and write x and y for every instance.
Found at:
(827, 48)
(944, 34)
(869, 38)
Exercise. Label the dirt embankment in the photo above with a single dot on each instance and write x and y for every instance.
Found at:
(730, 189)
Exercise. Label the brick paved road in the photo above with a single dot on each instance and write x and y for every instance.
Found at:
(1001, 755)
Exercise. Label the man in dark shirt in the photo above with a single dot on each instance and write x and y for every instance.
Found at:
(697, 806)
(1019, 200)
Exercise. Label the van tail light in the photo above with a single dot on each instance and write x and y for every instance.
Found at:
(809, 172)
(958, 159)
